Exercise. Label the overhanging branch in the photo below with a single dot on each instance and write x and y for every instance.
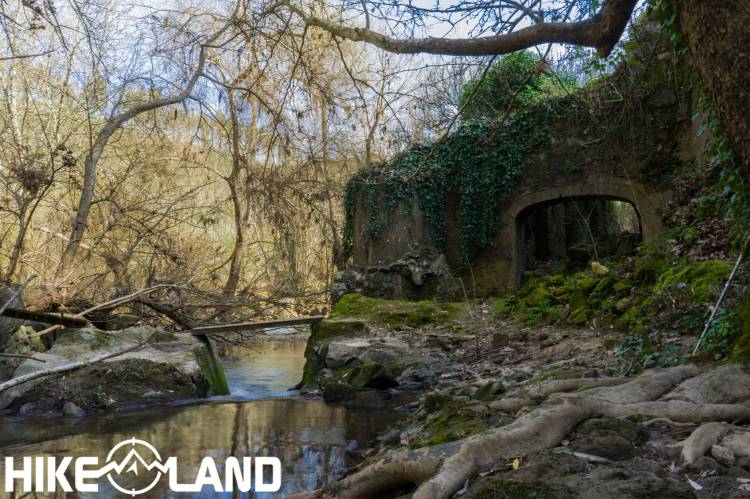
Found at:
(601, 31)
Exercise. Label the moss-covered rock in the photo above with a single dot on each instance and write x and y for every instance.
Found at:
(395, 313)
(701, 279)
(329, 329)
(579, 316)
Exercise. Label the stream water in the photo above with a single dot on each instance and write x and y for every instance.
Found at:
(262, 417)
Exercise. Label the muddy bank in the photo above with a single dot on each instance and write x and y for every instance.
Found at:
(112, 385)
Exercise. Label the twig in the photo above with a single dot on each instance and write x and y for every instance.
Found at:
(723, 294)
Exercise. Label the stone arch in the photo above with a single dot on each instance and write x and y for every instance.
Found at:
(648, 205)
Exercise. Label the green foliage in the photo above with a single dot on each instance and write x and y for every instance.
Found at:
(480, 163)
(700, 280)
(647, 350)
(514, 83)
(394, 313)
(721, 335)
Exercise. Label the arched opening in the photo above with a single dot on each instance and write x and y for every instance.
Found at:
(566, 234)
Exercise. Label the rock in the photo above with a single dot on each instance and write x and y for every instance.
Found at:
(72, 410)
(26, 409)
(344, 352)
(744, 463)
(607, 437)
(418, 375)
(373, 375)
(599, 269)
(623, 304)
(579, 316)
(722, 455)
(611, 447)
(737, 442)
(413, 276)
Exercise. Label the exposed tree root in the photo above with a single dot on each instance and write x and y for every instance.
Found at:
(439, 471)
(702, 439)
(537, 393)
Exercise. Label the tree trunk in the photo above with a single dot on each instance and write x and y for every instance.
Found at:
(235, 267)
(718, 37)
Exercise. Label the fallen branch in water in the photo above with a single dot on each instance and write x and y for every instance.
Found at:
(70, 367)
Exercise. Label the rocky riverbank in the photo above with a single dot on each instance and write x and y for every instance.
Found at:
(167, 368)
(476, 377)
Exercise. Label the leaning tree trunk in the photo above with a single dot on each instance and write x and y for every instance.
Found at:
(718, 37)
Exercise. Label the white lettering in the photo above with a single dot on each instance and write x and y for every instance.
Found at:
(56, 474)
(208, 475)
(83, 474)
(11, 474)
(275, 484)
(236, 475)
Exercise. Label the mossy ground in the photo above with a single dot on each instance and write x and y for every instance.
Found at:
(456, 419)
(647, 297)
(395, 313)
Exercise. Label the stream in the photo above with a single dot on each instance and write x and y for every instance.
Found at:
(262, 417)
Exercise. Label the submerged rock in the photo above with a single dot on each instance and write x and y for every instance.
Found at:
(71, 409)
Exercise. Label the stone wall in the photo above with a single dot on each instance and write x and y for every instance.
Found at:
(621, 148)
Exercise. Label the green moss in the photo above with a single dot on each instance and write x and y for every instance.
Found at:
(702, 279)
(395, 313)
(623, 286)
(741, 347)
(579, 316)
(328, 329)
(503, 307)
(213, 370)
(604, 285)
(453, 422)
(587, 284)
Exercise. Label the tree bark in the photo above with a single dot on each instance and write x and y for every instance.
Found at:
(601, 31)
(235, 266)
(718, 38)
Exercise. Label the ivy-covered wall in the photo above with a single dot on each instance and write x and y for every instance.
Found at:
(623, 137)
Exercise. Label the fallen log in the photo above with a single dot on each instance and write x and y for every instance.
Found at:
(254, 326)
(46, 317)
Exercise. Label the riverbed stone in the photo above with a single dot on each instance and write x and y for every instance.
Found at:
(71, 409)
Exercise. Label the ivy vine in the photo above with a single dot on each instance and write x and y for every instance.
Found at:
(480, 162)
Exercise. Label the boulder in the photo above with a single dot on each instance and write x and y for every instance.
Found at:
(72, 410)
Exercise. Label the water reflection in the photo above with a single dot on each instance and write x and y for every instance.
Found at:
(309, 437)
